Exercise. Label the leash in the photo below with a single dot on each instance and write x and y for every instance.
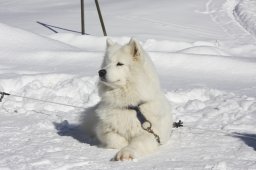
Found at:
(145, 124)
(3, 94)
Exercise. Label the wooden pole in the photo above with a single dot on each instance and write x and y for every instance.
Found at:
(82, 17)
(101, 19)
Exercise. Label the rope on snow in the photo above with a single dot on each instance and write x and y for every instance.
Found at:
(40, 100)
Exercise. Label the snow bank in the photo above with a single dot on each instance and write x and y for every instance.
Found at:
(245, 13)
(214, 109)
(21, 40)
(82, 55)
(93, 43)
(218, 66)
(87, 42)
(67, 89)
(24, 52)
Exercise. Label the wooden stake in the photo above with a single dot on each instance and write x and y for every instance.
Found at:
(82, 17)
(101, 19)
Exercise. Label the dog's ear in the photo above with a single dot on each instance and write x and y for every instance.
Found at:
(136, 50)
(109, 42)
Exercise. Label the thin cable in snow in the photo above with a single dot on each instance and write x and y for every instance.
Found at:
(40, 100)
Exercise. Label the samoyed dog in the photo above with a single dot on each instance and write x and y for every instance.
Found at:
(133, 115)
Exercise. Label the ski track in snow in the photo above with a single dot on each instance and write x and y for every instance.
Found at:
(245, 13)
(236, 18)
(218, 107)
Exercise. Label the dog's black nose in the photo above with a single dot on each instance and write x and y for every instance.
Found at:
(102, 73)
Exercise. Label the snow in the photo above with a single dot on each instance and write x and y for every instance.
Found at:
(245, 13)
(204, 52)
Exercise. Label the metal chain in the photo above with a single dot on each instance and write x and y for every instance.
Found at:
(149, 130)
(142, 119)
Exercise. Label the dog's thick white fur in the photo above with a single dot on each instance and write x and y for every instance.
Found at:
(128, 78)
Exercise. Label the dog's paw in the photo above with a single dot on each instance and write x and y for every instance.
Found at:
(124, 154)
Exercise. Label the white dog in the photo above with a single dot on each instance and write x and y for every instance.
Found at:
(133, 114)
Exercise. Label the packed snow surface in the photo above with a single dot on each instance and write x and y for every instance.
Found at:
(204, 52)
(245, 13)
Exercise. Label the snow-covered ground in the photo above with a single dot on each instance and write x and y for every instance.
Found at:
(204, 52)
(245, 12)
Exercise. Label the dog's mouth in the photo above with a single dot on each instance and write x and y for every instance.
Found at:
(103, 79)
(110, 83)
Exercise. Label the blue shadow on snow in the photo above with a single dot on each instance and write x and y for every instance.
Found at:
(248, 139)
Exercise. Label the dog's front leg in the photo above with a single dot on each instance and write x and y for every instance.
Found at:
(140, 145)
(112, 140)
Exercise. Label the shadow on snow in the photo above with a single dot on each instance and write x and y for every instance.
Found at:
(248, 139)
(54, 28)
(65, 129)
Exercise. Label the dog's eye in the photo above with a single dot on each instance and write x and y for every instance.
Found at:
(119, 64)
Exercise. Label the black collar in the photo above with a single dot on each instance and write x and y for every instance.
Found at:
(139, 114)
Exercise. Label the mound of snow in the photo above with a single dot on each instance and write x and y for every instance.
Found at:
(204, 50)
(214, 109)
(20, 40)
(67, 89)
(87, 42)
(217, 66)
(24, 52)
(181, 96)
(245, 13)
(169, 46)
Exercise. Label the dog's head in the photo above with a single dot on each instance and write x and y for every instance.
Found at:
(120, 63)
